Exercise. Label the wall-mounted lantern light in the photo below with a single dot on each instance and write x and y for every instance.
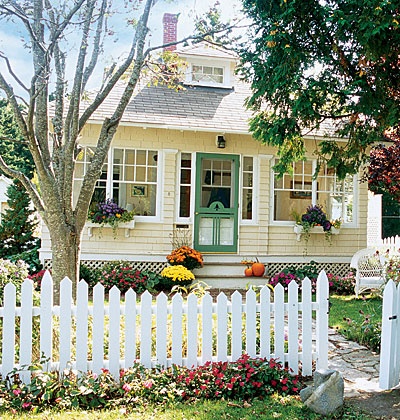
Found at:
(221, 142)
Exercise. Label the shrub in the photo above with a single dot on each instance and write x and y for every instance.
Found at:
(12, 272)
(125, 277)
(342, 285)
(90, 275)
(246, 378)
(186, 256)
(37, 278)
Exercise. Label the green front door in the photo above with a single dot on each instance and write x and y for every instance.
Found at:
(216, 207)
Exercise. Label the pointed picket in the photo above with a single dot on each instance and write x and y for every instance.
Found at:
(177, 329)
(8, 349)
(306, 328)
(192, 330)
(25, 345)
(145, 329)
(236, 306)
(265, 322)
(206, 345)
(65, 322)
(388, 337)
(251, 333)
(46, 320)
(396, 367)
(130, 328)
(279, 323)
(82, 305)
(222, 328)
(293, 326)
(161, 329)
(322, 321)
(114, 331)
(98, 328)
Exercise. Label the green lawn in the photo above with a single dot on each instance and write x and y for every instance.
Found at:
(271, 408)
(357, 319)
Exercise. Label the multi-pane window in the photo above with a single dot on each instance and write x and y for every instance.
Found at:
(185, 184)
(247, 188)
(207, 74)
(294, 192)
(134, 183)
(82, 163)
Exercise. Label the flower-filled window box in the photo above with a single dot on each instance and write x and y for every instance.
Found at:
(315, 220)
(108, 214)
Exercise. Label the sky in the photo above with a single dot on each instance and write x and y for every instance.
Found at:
(117, 44)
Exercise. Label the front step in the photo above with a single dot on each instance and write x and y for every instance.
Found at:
(228, 274)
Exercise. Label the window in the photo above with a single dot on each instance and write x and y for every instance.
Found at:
(293, 193)
(185, 184)
(134, 183)
(83, 160)
(207, 74)
(247, 188)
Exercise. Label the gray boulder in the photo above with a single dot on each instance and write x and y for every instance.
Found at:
(326, 395)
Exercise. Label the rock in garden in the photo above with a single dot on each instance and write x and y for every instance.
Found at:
(326, 395)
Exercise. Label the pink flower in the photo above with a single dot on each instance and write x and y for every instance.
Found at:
(148, 384)
(126, 387)
(26, 404)
(16, 391)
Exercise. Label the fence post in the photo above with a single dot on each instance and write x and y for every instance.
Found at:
(8, 348)
(387, 378)
(322, 321)
(25, 344)
(46, 321)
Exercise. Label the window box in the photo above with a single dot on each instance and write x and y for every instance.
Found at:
(298, 230)
(127, 226)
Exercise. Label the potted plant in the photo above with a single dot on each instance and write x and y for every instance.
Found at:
(315, 220)
(110, 213)
(186, 256)
(176, 274)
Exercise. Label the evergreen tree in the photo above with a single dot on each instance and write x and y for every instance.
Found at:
(18, 223)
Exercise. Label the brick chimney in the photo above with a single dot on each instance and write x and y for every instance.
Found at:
(170, 30)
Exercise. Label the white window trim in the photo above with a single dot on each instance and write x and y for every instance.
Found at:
(227, 83)
(185, 220)
(256, 189)
(351, 225)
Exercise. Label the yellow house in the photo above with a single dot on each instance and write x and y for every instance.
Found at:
(186, 163)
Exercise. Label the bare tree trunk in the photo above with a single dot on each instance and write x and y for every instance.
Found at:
(66, 246)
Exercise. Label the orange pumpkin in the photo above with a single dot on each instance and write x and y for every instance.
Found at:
(258, 269)
(248, 272)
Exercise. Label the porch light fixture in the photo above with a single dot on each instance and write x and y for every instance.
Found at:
(221, 142)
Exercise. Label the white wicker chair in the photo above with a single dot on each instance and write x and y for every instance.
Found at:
(370, 272)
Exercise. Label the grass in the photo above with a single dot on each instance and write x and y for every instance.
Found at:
(272, 408)
(357, 319)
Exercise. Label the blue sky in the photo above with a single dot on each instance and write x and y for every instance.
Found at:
(11, 34)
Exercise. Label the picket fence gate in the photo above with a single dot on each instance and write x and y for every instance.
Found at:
(389, 369)
(115, 334)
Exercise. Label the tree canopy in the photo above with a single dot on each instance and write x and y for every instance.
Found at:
(316, 63)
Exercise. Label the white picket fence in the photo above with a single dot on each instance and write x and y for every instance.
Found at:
(192, 331)
(389, 371)
(392, 243)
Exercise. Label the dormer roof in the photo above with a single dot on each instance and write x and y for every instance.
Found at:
(207, 50)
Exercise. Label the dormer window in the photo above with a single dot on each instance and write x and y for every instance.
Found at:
(207, 74)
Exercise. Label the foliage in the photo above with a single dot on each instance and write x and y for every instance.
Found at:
(384, 170)
(312, 63)
(186, 256)
(14, 273)
(123, 275)
(357, 319)
(342, 285)
(284, 278)
(247, 378)
(90, 275)
(31, 257)
(392, 267)
(37, 278)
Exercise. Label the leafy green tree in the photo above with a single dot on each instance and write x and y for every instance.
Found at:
(311, 62)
